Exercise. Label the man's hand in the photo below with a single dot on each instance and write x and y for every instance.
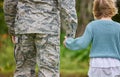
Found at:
(13, 39)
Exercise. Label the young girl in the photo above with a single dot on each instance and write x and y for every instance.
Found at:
(104, 35)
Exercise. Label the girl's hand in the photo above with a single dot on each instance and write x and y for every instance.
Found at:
(64, 41)
(13, 39)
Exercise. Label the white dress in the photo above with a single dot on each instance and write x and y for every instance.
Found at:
(104, 67)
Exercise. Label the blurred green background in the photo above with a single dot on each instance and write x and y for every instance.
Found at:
(72, 63)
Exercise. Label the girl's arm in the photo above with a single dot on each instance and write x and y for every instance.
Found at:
(80, 42)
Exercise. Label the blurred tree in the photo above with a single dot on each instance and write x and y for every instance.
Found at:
(84, 10)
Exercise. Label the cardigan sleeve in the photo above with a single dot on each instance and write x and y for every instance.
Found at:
(80, 42)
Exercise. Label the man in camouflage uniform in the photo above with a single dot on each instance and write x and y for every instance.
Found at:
(35, 29)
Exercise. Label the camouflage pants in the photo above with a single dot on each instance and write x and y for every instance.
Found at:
(32, 49)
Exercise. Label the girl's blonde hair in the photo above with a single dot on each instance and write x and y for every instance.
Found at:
(104, 8)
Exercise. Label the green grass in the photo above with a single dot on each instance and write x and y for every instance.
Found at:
(7, 63)
(73, 61)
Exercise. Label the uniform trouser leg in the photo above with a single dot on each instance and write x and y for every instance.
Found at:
(48, 47)
(25, 56)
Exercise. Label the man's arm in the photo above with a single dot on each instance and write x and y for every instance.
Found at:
(68, 17)
(10, 14)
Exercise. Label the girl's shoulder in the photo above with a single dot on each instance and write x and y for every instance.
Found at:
(93, 22)
(103, 22)
(118, 23)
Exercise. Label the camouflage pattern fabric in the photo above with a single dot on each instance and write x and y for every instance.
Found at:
(40, 16)
(45, 48)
